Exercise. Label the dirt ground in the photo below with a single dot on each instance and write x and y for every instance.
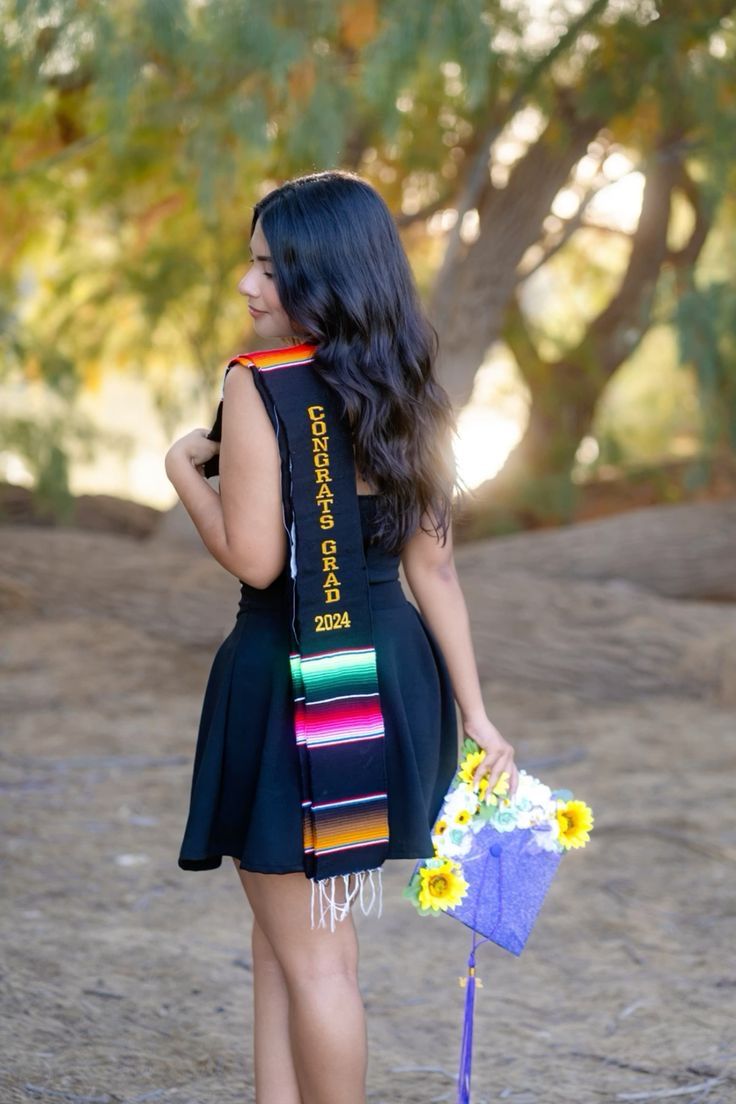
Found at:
(128, 980)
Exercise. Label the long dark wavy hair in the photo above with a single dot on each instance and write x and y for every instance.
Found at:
(344, 280)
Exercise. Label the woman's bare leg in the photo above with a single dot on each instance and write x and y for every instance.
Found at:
(320, 967)
(274, 1073)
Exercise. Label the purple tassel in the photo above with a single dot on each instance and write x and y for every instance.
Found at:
(466, 1045)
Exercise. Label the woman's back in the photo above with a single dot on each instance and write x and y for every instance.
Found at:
(382, 567)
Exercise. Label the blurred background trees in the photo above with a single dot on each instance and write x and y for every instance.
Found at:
(562, 173)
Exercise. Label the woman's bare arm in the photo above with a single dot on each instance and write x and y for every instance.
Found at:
(242, 525)
(430, 571)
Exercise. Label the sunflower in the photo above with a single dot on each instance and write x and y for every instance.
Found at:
(462, 816)
(468, 765)
(467, 771)
(440, 827)
(442, 887)
(574, 818)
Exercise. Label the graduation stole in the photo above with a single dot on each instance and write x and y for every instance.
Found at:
(338, 722)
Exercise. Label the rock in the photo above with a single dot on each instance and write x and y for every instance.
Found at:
(99, 513)
(176, 527)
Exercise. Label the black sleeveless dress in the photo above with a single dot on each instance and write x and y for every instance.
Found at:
(245, 799)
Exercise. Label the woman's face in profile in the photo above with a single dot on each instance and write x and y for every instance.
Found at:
(259, 287)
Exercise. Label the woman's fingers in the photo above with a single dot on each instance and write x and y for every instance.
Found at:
(489, 766)
(513, 780)
(493, 765)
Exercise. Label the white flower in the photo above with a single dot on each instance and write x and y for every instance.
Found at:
(454, 842)
(531, 789)
(461, 798)
(533, 803)
(536, 816)
(545, 835)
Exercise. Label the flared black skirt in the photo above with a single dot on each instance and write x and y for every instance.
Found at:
(245, 798)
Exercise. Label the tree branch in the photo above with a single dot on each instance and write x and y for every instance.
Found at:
(445, 200)
(619, 328)
(517, 336)
(477, 180)
(689, 253)
(568, 229)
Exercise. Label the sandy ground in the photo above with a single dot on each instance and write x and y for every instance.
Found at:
(128, 980)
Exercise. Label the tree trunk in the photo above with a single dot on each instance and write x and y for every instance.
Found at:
(477, 280)
(471, 296)
(535, 482)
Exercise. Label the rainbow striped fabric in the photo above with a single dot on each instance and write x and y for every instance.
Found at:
(343, 711)
(338, 722)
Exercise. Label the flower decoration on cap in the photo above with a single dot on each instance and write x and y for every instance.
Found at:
(555, 822)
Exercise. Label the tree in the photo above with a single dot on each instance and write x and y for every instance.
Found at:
(138, 133)
(677, 120)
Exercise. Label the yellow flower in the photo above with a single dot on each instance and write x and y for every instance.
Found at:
(467, 770)
(575, 818)
(501, 787)
(441, 886)
(468, 765)
(502, 783)
(462, 816)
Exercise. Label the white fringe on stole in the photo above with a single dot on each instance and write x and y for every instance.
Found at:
(334, 909)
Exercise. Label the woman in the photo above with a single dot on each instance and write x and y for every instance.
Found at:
(328, 282)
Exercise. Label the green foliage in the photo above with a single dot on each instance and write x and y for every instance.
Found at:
(706, 329)
(649, 405)
(45, 446)
(139, 134)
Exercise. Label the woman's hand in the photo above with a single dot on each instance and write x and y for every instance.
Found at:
(499, 754)
(195, 448)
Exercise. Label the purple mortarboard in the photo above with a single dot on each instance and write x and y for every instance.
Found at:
(508, 877)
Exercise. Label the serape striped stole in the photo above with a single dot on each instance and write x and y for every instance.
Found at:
(338, 723)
